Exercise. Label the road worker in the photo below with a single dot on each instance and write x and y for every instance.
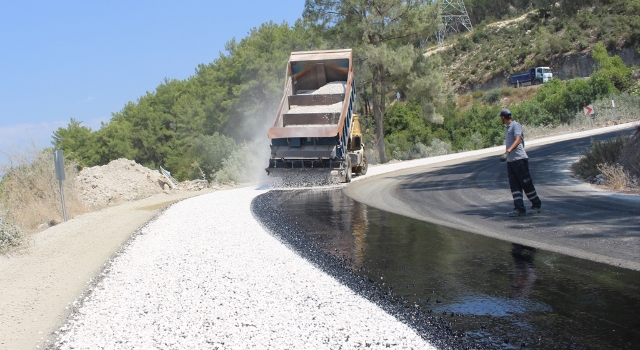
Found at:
(518, 167)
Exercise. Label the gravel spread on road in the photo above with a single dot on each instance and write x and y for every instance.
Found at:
(205, 274)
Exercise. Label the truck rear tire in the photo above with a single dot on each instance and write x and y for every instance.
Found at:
(362, 169)
(348, 169)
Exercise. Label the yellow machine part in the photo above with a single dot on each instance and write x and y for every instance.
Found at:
(356, 126)
(355, 140)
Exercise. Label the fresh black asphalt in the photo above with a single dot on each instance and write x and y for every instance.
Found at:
(472, 194)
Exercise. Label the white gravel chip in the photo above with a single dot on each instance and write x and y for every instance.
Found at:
(332, 108)
(206, 275)
(335, 87)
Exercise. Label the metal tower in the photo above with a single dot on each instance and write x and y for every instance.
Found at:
(454, 19)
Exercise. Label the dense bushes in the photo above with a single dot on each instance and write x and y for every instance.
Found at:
(211, 152)
(408, 134)
(404, 127)
(605, 152)
(630, 155)
(556, 102)
(532, 113)
(615, 163)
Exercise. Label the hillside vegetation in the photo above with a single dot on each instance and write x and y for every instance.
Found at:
(545, 34)
(216, 120)
(471, 127)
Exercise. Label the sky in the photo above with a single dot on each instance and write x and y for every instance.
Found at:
(86, 59)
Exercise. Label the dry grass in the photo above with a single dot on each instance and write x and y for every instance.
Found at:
(617, 160)
(615, 176)
(464, 101)
(29, 192)
(508, 96)
(518, 95)
(604, 153)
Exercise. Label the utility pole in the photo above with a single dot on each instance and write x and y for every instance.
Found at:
(455, 19)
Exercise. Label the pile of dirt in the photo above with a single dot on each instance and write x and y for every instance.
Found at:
(119, 181)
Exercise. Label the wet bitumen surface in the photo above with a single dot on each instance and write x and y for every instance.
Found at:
(458, 290)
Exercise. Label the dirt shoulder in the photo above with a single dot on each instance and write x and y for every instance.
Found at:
(40, 281)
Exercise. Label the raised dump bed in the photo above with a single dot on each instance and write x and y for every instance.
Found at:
(313, 129)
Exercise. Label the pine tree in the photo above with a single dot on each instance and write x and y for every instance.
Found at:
(384, 35)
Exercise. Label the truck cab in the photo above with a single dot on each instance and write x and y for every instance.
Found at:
(541, 75)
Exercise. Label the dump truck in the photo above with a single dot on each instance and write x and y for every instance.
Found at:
(316, 131)
(534, 76)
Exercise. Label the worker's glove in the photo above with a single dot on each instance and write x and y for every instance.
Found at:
(503, 158)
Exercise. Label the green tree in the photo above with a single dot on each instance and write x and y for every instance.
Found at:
(614, 68)
(383, 34)
(404, 128)
(211, 151)
(113, 141)
(77, 142)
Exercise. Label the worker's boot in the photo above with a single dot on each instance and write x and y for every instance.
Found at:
(516, 212)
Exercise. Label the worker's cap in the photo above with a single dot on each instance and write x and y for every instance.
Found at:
(505, 113)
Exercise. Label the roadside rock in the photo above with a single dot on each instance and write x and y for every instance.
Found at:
(599, 180)
(194, 185)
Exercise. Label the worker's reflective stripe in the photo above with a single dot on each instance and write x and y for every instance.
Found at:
(516, 193)
(534, 197)
(531, 193)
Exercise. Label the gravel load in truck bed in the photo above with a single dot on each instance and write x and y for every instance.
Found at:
(206, 275)
(333, 108)
(335, 87)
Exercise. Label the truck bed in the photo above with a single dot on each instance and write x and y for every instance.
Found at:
(315, 114)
